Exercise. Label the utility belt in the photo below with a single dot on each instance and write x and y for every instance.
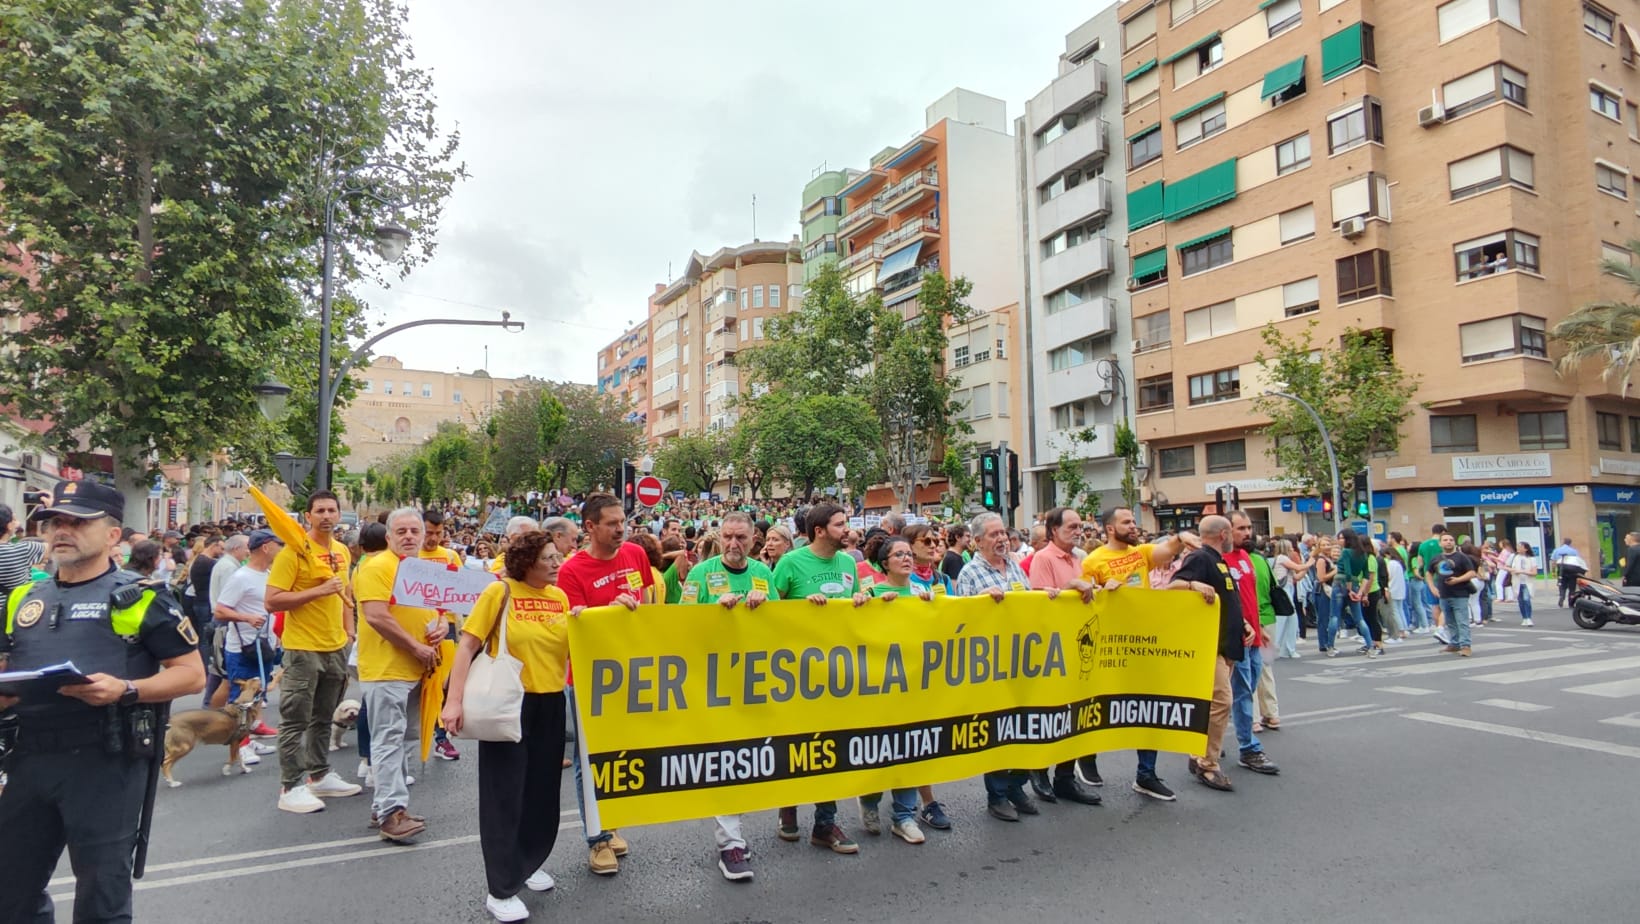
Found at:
(132, 732)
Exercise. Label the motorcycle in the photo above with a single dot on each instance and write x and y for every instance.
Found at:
(1595, 603)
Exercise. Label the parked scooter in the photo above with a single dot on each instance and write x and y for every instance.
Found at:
(1595, 603)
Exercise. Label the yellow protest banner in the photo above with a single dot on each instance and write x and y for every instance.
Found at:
(692, 711)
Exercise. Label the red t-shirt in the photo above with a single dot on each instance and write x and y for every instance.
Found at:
(589, 581)
(1247, 588)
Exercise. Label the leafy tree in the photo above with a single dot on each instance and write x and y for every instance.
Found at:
(1127, 449)
(164, 164)
(821, 348)
(693, 462)
(1358, 389)
(1073, 489)
(592, 436)
(799, 440)
(1607, 331)
(750, 462)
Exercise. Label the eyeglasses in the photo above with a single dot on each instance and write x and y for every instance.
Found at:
(903, 553)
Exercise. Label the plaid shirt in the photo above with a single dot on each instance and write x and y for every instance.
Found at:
(979, 576)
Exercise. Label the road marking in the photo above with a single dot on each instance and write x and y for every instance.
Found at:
(1352, 715)
(1408, 691)
(1632, 720)
(1320, 678)
(1527, 734)
(386, 850)
(1514, 704)
(1611, 689)
(1353, 661)
(1559, 670)
(1456, 663)
(1314, 712)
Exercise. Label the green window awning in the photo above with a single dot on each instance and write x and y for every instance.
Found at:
(1197, 241)
(1200, 191)
(1143, 132)
(1284, 77)
(1149, 264)
(1267, 4)
(1146, 204)
(1341, 52)
(1140, 71)
(1213, 36)
(1198, 107)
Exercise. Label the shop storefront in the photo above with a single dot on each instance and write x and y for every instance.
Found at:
(1616, 514)
(1171, 519)
(1501, 513)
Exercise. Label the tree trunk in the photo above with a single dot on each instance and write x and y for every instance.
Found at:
(196, 491)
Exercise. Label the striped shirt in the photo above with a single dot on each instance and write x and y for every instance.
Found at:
(17, 561)
(979, 576)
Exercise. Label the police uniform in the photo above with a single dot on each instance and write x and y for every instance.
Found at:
(76, 776)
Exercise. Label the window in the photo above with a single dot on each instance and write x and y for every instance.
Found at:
(1204, 123)
(1610, 430)
(757, 328)
(1067, 239)
(1605, 103)
(1066, 416)
(1202, 257)
(1212, 321)
(1482, 88)
(1365, 197)
(1634, 434)
(1071, 355)
(1496, 253)
(1145, 148)
(1068, 297)
(1301, 297)
(1462, 16)
(426, 390)
(1293, 154)
(774, 296)
(1155, 393)
(1227, 456)
(1057, 128)
(831, 205)
(1142, 85)
(1599, 23)
(1139, 29)
(1363, 275)
(1210, 56)
(368, 386)
(1631, 114)
(1149, 269)
(1177, 461)
(959, 356)
(1000, 353)
(1283, 15)
(1298, 224)
(1346, 50)
(1452, 433)
(387, 388)
(455, 397)
(1510, 335)
(1060, 185)
(1355, 126)
(794, 292)
(743, 301)
(1211, 387)
(757, 296)
(407, 391)
(1616, 253)
(1542, 429)
(1153, 331)
(1611, 180)
(1489, 170)
(1184, 9)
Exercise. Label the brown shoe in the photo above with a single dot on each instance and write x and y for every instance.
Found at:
(400, 828)
(1463, 652)
(601, 859)
(376, 822)
(617, 843)
(1450, 649)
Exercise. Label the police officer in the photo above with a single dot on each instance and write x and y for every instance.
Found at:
(78, 770)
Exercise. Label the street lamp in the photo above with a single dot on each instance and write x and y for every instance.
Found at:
(841, 472)
(1115, 383)
(271, 397)
(1332, 458)
(646, 464)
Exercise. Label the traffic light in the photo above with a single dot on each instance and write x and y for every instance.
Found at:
(1228, 498)
(629, 487)
(990, 481)
(1327, 505)
(1014, 485)
(1363, 497)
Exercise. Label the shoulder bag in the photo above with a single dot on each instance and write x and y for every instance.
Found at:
(492, 702)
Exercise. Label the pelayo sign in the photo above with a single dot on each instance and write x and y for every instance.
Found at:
(693, 711)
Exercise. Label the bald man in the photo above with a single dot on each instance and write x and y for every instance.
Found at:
(1204, 571)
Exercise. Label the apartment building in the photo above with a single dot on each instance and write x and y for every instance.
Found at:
(985, 362)
(623, 368)
(1073, 205)
(701, 319)
(398, 409)
(1448, 173)
(822, 211)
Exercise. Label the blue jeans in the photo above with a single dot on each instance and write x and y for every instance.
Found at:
(1243, 681)
(1002, 785)
(1523, 593)
(1456, 610)
(241, 667)
(1417, 607)
(1147, 764)
(904, 803)
(1326, 619)
(1357, 620)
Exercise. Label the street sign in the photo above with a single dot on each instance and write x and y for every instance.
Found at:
(1540, 511)
(649, 490)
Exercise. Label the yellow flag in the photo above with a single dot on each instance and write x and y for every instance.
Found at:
(286, 528)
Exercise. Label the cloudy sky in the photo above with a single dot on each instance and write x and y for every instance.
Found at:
(608, 140)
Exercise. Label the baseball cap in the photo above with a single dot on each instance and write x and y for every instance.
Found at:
(262, 537)
(86, 500)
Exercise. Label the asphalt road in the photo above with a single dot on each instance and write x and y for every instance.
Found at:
(1416, 787)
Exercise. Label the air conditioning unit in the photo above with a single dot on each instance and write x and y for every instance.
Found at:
(1433, 114)
(1138, 346)
(1132, 283)
(1353, 227)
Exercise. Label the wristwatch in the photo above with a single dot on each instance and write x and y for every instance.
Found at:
(130, 696)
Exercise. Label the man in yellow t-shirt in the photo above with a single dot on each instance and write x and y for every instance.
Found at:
(1126, 562)
(432, 540)
(397, 647)
(308, 581)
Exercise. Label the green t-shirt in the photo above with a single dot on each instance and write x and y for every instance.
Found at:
(1261, 572)
(1428, 552)
(801, 573)
(711, 579)
(879, 588)
(674, 588)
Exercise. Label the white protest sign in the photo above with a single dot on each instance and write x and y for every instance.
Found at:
(496, 522)
(434, 586)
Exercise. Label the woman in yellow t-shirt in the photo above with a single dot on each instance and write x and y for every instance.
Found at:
(518, 782)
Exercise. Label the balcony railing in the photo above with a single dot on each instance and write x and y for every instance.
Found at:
(861, 257)
(871, 210)
(916, 227)
(921, 181)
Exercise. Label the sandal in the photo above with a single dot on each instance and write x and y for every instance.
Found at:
(1272, 724)
(1258, 727)
(1214, 779)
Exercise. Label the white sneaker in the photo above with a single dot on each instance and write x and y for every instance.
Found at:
(363, 772)
(258, 747)
(408, 780)
(1526, 622)
(506, 909)
(908, 831)
(333, 786)
(540, 881)
(248, 757)
(299, 800)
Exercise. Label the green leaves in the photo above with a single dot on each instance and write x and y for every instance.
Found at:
(692, 462)
(1605, 331)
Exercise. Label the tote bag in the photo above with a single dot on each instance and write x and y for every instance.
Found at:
(492, 703)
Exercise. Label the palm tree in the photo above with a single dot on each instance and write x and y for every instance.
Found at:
(1608, 330)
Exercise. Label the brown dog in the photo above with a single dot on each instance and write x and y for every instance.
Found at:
(229, 725)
